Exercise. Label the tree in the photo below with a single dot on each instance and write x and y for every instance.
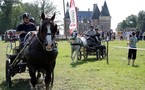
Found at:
(122, 26)
(141, 20)
(32, 9)
(6, 11)
(16, 13)
(131, 21)
(12, 10)
(46, 6)
(37, 7)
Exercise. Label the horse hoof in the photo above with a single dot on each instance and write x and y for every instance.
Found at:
(40, 87)
(72, 62)
(48, 88)
(32, 86)
(40, 81)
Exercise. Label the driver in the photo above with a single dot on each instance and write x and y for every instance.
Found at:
(24, 28)
(90, 36)
(90, 32)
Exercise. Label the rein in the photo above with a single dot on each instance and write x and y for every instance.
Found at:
(40, 42)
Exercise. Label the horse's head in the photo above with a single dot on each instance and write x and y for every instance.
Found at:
(74, 34)
(47, 32)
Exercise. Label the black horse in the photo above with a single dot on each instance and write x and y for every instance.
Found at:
(41, 52)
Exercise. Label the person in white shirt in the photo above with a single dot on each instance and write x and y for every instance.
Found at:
(90, 32)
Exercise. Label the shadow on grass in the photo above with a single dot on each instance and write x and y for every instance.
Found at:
(84, 61)
(136, 66)
(66, 56)
(17, 84)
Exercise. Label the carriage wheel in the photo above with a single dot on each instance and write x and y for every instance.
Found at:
(52, 78)
(85, 54)
(8, 73)
(79, 56)
(104, 53)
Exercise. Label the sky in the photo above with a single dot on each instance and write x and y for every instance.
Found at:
(119, 9)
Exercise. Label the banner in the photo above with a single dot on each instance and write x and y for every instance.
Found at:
(73, 17)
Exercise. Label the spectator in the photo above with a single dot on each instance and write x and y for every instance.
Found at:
(132, 50)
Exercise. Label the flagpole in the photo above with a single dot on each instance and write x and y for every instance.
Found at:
(65, 32)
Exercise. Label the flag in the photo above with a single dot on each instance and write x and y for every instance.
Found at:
(73, 17)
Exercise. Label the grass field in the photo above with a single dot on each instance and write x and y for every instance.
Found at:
(90, 74)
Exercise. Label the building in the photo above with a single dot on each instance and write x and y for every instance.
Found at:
(98, 19)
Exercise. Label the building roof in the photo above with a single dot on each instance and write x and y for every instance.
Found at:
(84, 14)
(88, 15)
(96, 12)
(105, 11)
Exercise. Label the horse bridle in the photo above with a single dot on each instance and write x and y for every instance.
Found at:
(43, 45)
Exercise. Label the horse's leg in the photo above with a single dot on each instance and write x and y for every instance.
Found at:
(102, 53)
(77, 51)
(48, 79)
(72, 57)
(32, 73)
(39, 77)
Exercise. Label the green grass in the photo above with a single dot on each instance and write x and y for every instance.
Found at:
(88, 74)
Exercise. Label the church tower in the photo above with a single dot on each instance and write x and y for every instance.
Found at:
(105, 18)
(67, 18)
(95, 16)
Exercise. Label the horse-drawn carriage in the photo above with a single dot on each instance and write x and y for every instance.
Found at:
(88, 46)
(35, 56)
(93, 48)
(14, 62)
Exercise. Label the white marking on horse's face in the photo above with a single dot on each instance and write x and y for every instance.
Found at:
(74, 34)
(48, 38)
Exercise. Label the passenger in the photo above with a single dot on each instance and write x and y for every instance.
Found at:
(97, 33)
(97, 37)
(32, 20)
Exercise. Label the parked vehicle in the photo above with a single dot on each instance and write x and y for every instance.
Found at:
(10, 35)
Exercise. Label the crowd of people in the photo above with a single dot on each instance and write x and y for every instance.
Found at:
(126, 34)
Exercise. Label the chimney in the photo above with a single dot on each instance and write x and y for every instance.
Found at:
(95, 5)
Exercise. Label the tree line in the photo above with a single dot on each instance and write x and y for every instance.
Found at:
(11, 12)
(136, 22)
